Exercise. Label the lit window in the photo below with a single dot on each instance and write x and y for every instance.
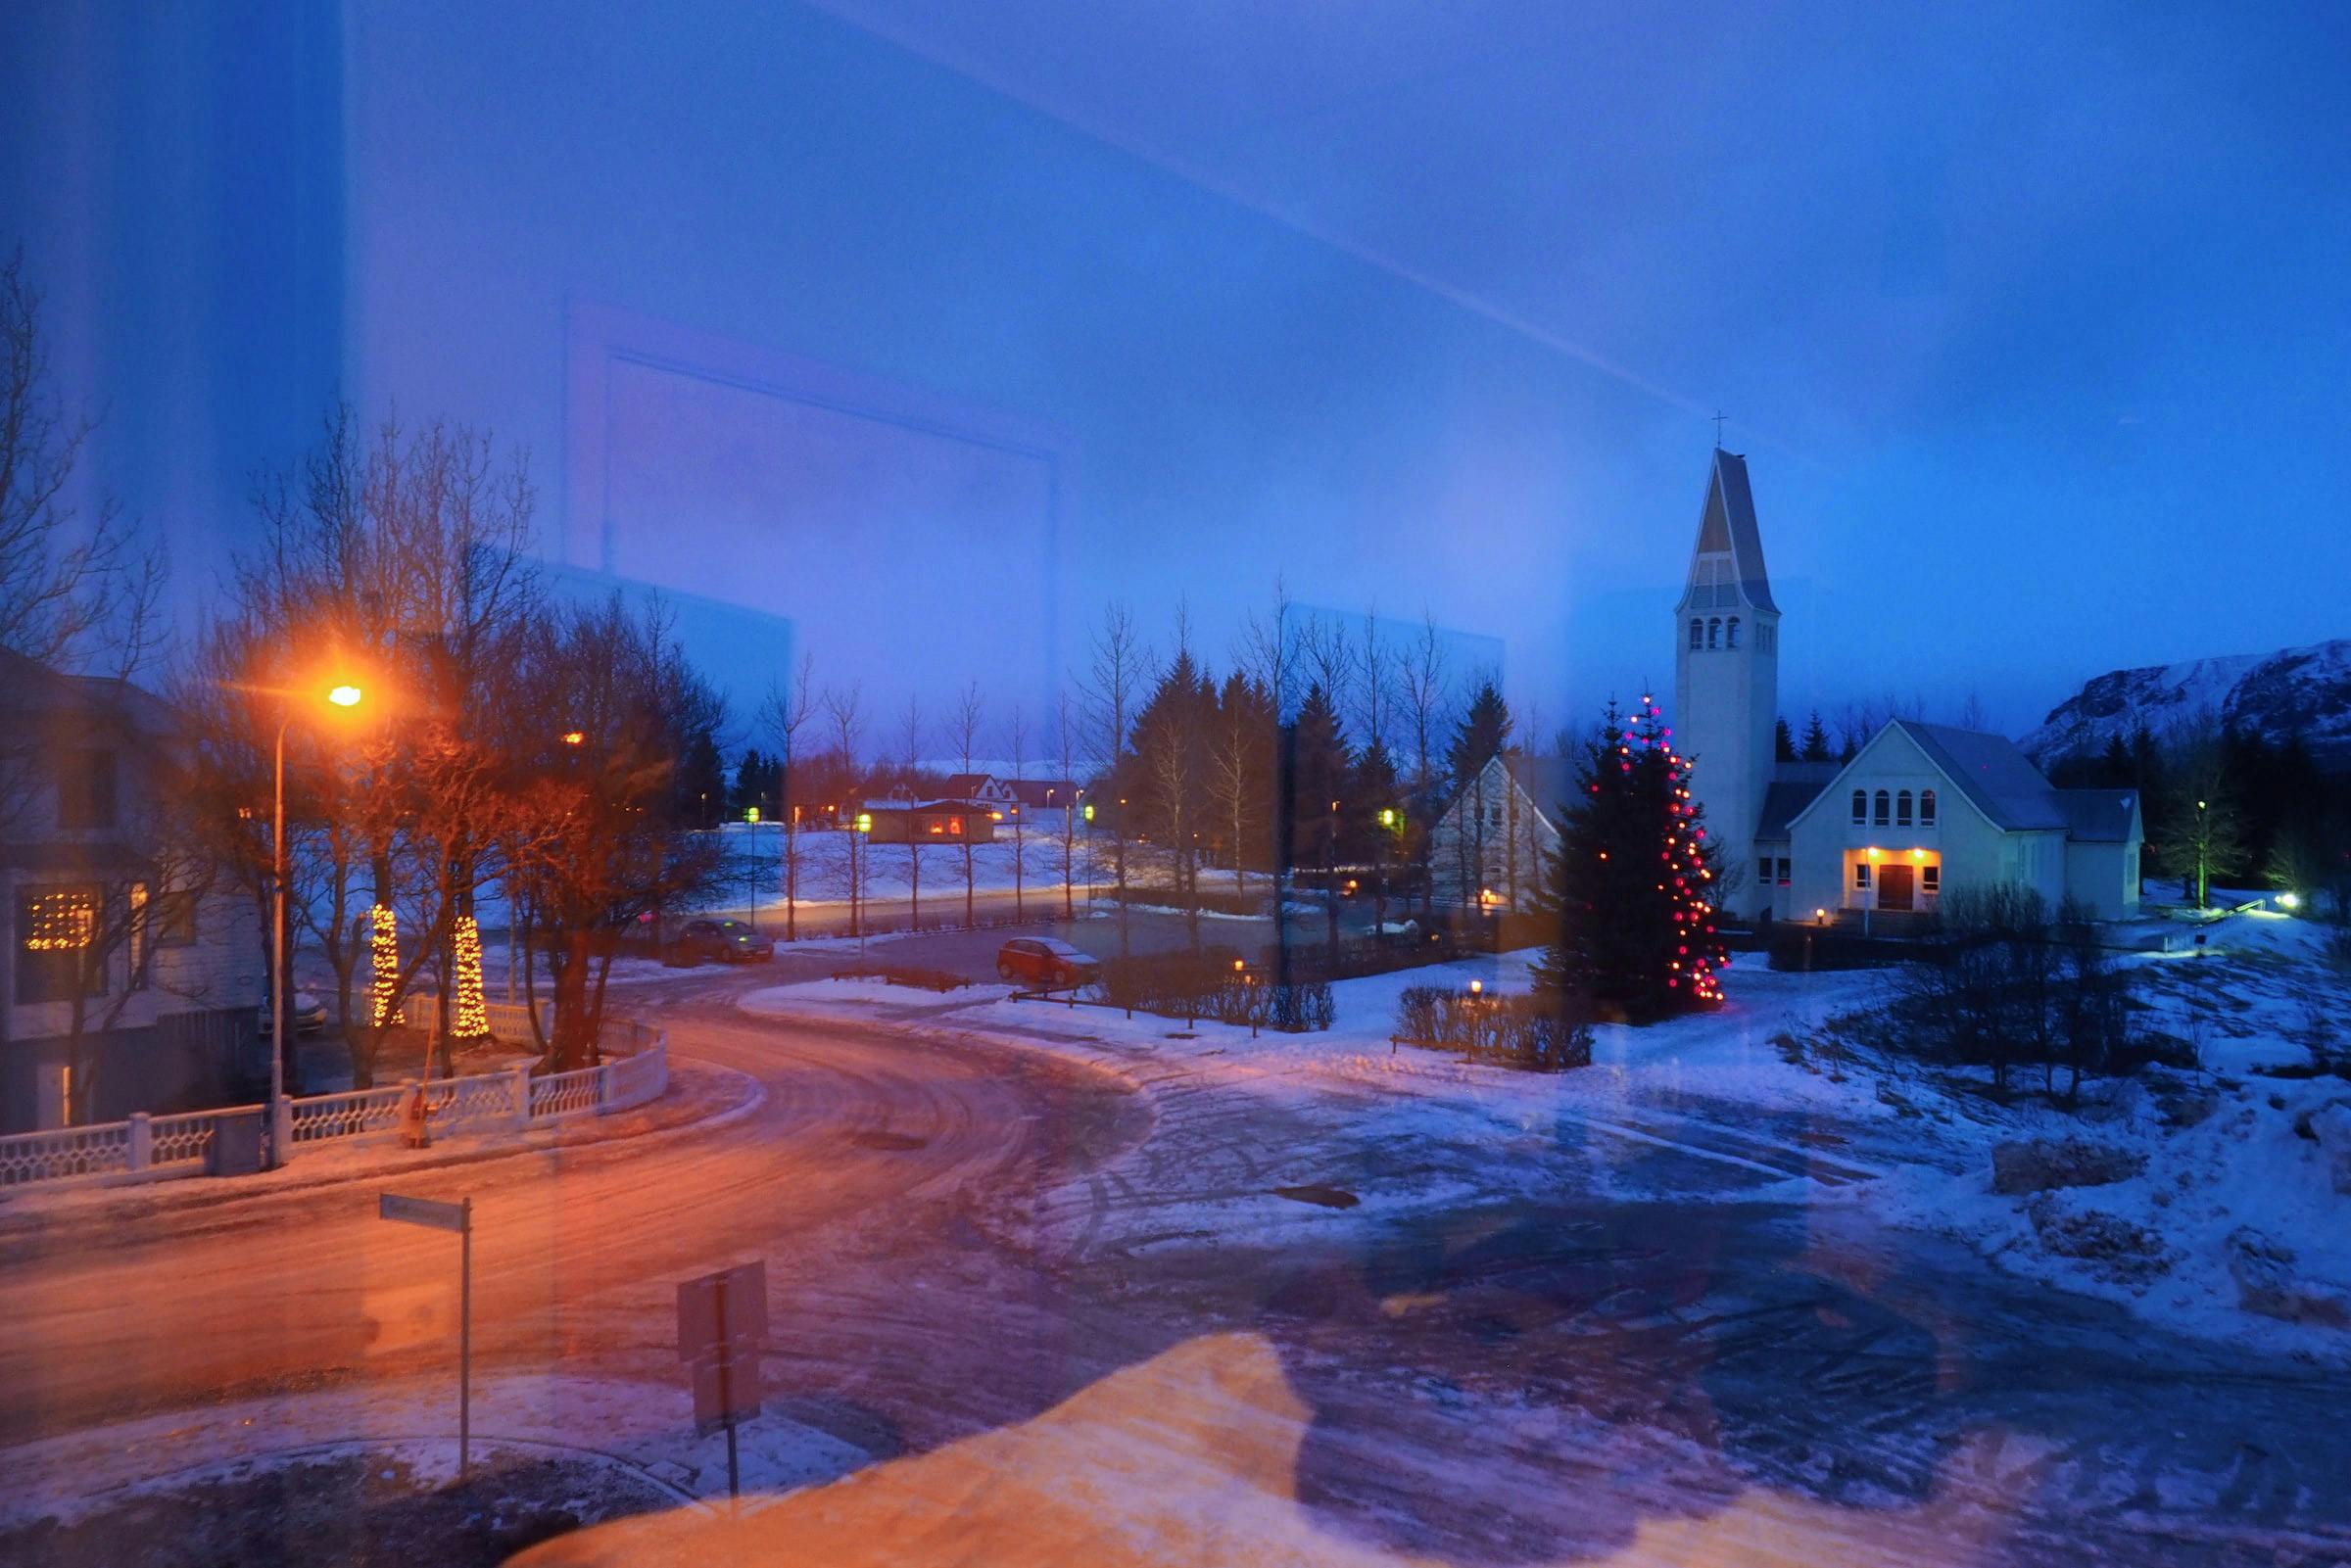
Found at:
(1902, 809)
(955, 827)
(1861, 875)
(1882, 804)
(1926, 808)
(1730, 633)
(56, 932)
(1860, 808)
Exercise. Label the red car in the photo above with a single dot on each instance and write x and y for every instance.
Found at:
(1045, 963)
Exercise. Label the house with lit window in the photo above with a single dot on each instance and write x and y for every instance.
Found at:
(1920, 810)
(986, 791)
(928, 822)
(1497, 834)
(134, 972)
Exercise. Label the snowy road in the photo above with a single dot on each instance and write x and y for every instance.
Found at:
(1065, 1315)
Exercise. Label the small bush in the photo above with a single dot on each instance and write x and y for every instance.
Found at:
(907, 974)
(1182, 986)
(1537, 1033)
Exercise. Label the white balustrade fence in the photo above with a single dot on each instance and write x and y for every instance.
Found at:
(492, 1104)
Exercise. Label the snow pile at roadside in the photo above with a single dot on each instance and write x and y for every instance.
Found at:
(2238, 1210)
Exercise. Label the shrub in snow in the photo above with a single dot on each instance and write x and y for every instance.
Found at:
(1534, 1033)
(2267, 1283)
(2042, 1165)
(2109, 1243)
(2330, 1126)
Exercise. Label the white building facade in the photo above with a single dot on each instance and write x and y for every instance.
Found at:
(1920, 810)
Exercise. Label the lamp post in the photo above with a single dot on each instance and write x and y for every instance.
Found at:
(345, 695)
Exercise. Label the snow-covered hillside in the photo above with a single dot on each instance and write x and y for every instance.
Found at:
(2304, 691)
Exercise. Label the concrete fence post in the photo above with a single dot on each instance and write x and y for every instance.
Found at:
(281, 1128)
(142, 1141)
(521, 1071)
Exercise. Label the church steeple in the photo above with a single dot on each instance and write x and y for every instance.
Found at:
(1726, 568)
(1726, 669)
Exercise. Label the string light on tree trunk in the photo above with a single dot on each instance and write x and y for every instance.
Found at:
(383, 942)
(469, 1019)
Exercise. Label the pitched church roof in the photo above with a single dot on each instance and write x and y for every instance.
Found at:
(1728, 523)
(1996, 778)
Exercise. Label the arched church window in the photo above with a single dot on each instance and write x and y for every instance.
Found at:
(1730, 633)
(1902, 809)
(1860, 807)
(1698, 633)
(1714, 632)
(1882, 803)
(1926, 808)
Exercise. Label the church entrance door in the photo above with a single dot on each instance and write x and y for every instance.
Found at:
(1895, 883)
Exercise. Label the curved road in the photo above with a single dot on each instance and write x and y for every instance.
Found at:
(1528, 1345)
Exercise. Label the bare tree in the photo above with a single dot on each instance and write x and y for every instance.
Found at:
(1016, 749)
(76, 591)
(615, 843)
(911, 738)
(1426, 683)
(963, 726)
(1118, 670)
(787, 712)
(841, 705)
(1066, 745)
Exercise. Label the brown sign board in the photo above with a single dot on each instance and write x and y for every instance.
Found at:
(726, 1390)
(728, 1308)
(421, 1212)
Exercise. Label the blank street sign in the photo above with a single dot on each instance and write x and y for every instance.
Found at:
(734, 1297)
(426, 1212)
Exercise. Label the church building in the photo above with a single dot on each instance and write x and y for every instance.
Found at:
(1921, 810)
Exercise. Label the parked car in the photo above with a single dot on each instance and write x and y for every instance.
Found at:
(723, 941)
(1045, 963)
(306, 1014)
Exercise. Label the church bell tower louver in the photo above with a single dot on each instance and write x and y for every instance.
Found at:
(1726, 676)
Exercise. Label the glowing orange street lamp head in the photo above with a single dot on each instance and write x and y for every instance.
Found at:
(575, 737)
(345, 695)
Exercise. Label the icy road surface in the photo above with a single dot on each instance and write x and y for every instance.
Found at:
(1061, 1312)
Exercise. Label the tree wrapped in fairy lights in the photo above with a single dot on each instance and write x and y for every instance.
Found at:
(1631, 890)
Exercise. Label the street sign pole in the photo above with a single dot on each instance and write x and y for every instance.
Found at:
(722, 1326)
(434, 1214)
(465, 1342)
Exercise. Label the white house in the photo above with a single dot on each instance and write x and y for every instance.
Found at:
(167, 956)
(1921, 809)
(1494, 839)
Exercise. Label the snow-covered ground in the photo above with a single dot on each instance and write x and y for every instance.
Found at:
(2226, 1158)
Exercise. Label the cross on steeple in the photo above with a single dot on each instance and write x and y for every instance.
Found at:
(1719, 417)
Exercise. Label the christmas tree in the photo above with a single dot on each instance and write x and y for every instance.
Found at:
(1631, 889)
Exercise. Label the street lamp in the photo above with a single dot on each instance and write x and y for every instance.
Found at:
(343, 694)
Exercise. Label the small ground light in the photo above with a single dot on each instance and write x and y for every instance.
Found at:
(1477, 987)
(573, 738)
(2289, 901)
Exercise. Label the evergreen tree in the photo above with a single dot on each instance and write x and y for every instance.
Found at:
(1167, 779)
(1376, 788)
(1629, 893)
(701, 790)
(2116, 771)
(1320, 767)
(1783, 741)
(754, 784)
(1816, 740)
(1480, 735)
